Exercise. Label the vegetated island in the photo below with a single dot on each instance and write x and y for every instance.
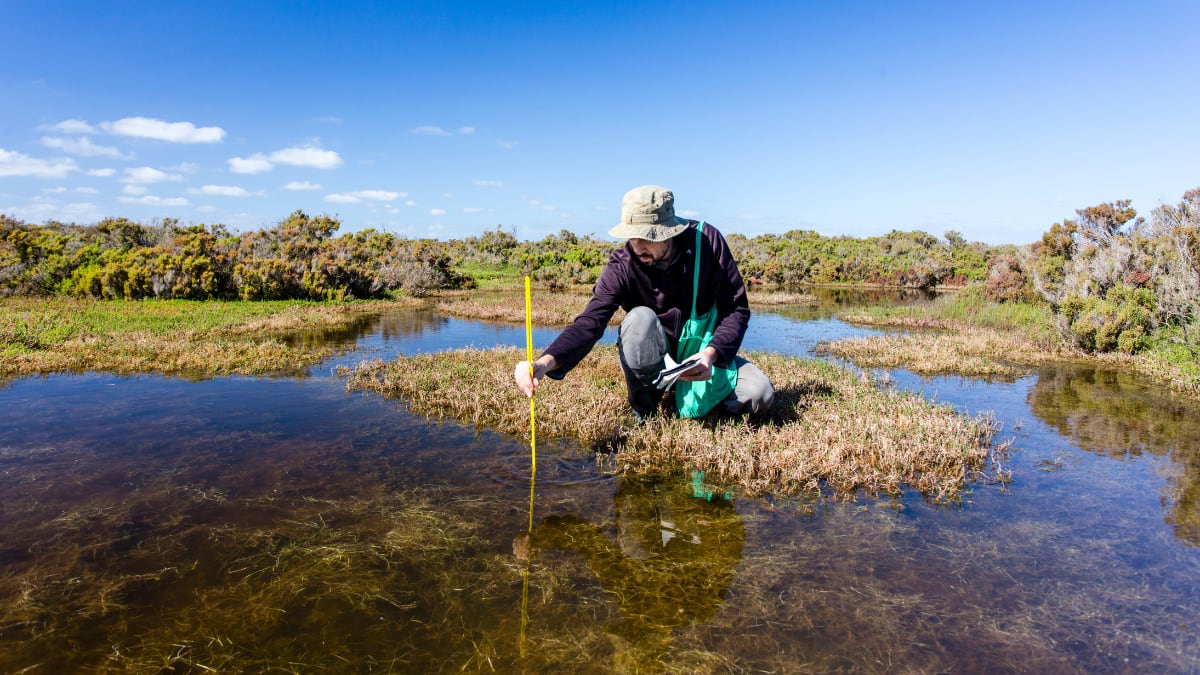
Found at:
(829, 426)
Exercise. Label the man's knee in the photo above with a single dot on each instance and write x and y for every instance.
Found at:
(754, 393)
(641, 340)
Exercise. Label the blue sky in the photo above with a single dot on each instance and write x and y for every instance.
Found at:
(444, 119)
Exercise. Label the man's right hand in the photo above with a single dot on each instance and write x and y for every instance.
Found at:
(541, 366)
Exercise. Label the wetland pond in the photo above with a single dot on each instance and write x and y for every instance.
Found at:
(235, 524)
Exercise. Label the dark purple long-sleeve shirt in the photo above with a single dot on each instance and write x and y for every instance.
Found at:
(626, 282)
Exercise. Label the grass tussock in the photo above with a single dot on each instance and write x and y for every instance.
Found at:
(829, 425)
(979, 352)
(776, 298)
(203, 338)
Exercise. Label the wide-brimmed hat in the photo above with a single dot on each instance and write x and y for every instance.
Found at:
(648, 212)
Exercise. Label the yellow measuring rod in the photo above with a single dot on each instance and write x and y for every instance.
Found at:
(529, 358)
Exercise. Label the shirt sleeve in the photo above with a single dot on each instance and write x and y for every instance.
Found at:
(577, 339)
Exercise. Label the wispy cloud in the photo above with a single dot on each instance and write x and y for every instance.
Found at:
(224, 191)
(301, 185)
(151, 200)
(13, 163)
(172, 132)
(70, 127)
(488, 183)
(147, 174)
(475, 209)
(437, 212)
(328, 119)
(507, 145)
(310, 156)
(429, 131)
(101, 173)
(82, 146)
(63, 190)
(364, 196)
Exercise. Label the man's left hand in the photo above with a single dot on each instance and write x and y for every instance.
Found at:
(702, 370)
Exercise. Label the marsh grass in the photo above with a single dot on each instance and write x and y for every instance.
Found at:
(829, 426)
(201, 338)
(961, 333)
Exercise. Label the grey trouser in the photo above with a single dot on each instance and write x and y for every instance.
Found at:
(642, 343)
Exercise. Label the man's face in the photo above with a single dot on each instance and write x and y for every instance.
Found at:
(651, 252)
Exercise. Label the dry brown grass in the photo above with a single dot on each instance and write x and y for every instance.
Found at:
(775, 298)
(829, 426)
(979, 352)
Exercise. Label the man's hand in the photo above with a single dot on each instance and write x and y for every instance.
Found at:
(544, 364)
(702, 370)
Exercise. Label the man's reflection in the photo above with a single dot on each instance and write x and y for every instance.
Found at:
(674, 556)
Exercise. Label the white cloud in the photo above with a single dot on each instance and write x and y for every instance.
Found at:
(82, 146)
(544, 207)
(410, 203)
(310, 156)
(437, 212)
(473, 209)
(364, 196)
(70, 127)
(429, 131)
(172, 132)
(16, 164)
(63, 190)
(507, 145)
(256, 163)
(146, 174)
(135, 190)
(694, 215)
(301, 185)
(307, 156)
(488, 183)
(151, 200)
(223, 191)
(44, 209)
(101, 173)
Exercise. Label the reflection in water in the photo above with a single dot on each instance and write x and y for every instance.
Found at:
(670, 564)
(1119, 415)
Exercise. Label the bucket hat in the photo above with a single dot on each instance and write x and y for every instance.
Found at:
(648, 212)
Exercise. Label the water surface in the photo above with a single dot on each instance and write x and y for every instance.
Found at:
(151, 523)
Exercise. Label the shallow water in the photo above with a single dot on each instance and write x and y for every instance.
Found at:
(152, 524)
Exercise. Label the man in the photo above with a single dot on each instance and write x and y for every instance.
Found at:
(651, 277)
